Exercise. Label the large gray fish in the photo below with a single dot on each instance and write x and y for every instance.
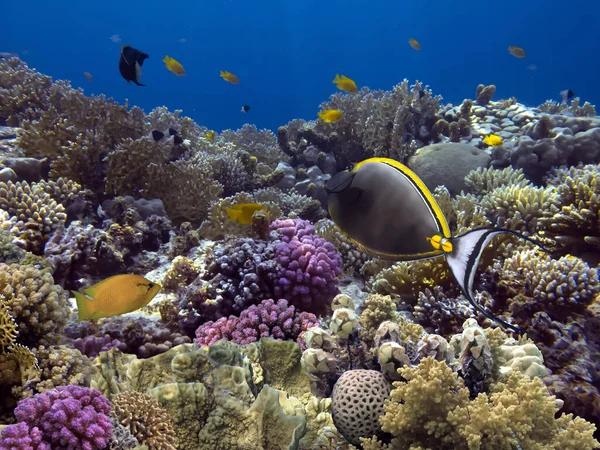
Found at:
(388, 212)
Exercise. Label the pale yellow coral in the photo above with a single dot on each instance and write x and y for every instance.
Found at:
(8, 327)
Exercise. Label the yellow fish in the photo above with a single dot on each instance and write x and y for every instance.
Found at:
(493, 140)
(210, 136)
(517, 52)
(174, 66)
(414, 44)
(115, 295)
(330, 115)
(345, 84)
(242, 212)
(229, 77)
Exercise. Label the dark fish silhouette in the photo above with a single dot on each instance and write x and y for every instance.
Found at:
(245, 108)
(130, 64)
(567, 95)
(157, 135)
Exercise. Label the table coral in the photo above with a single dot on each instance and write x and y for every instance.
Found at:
(68, 417)
(268, 319)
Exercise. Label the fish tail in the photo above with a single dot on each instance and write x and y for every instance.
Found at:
(166, 59)
(464, 259)
(234, 215)
(84, 306)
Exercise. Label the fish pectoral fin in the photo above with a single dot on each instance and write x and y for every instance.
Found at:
(465, 257)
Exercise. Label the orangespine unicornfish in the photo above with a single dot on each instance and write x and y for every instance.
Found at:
(388, 212)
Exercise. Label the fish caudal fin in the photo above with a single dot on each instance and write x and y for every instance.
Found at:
(464, 259)
(84, 306)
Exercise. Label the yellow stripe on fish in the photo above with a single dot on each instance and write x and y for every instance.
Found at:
(387, 211)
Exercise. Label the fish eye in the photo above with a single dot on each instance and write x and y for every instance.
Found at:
(150, 285)
(349, 167)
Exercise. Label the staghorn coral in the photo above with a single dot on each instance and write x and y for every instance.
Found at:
(145, 419)
(8, 328)
(38, 306)
(34, 214)
(121, 438)
(438, 313)
(261, 144)
(575, 108)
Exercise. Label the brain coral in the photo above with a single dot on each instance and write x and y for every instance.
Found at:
(357, 402)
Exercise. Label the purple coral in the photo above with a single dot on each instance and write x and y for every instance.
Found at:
(268, 319)
(309, 266)
(21, 437)
(68, 417)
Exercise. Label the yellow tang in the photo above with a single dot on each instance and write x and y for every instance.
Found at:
(388, 212)
(116, 295)
(229, 77)
(345, 84)
(330, 115)
(493, 140)
(210, 136)
(174, 66)
(242, 212)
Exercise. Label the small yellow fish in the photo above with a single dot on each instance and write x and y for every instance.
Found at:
(88, 76)
(116, 295)
(493, 140)
(242, 212)
(330, 115)
(517, 52)
(414, 44)
(210, 136)
(345, 84)
(229, 77)
(174, 66)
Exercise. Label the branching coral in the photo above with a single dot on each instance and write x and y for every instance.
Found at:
(8, 327)
(484, 180)
(38, 306)
(34, 213)
(432, 410)
(573, 222)
(145, 419)
(268, 319)
(68, 417)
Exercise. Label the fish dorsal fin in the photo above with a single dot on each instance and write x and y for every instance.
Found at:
(464, 259)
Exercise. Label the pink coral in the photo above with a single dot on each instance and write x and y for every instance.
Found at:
(268, 319)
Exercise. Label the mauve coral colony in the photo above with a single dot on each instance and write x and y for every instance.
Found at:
(282, 334)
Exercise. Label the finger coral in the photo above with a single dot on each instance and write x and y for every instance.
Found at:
(431, 409)
(68, 417)
(38, 306)
(268, 319)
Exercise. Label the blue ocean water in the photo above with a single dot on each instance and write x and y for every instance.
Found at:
(287, 53)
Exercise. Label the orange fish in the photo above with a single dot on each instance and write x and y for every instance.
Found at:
(414, 44)
(345, 84)
(116, 295)
(229, 77)
(517, 52)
